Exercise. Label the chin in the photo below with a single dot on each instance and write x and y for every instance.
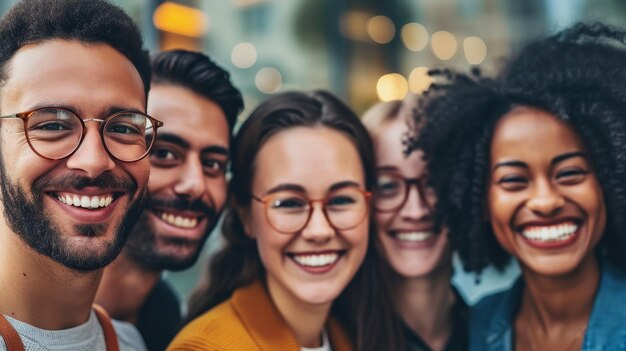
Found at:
(552, 266)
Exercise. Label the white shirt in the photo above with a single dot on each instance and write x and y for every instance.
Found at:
(85, 337)
(325, 344)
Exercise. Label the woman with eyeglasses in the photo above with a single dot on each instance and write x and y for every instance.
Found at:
(417, 266)
(296, 233)
(531, 164)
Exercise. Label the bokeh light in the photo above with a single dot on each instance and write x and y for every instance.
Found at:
(268, 80)
(414, 36)
(381, 29)
(475, 50)
(392, 86)
(419, 80)
(443, 44)
(244, 55)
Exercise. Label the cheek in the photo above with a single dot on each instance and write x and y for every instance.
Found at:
(217, 191)
(383, 220)
(139, 171)
(500, 211)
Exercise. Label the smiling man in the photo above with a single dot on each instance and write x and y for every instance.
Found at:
(196, 100)
(73, 134)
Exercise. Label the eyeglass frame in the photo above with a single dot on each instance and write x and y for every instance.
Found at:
(156, 124)
(265, 200)
(420, 185)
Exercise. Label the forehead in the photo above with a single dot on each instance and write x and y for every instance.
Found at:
(527, 132)
(87, 77)
(313, 157)
(190, 116)
(388, 143)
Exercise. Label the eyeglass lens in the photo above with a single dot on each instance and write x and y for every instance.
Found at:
(56, 133)
(289, 211)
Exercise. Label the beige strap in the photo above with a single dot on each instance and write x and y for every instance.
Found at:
(10, 336)
(110, 338)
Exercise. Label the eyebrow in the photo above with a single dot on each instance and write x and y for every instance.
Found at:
(175, 139)
(386, 168)
(566, 156)
(555, 160)
(518, 164)
(300, 189)
(106, 113)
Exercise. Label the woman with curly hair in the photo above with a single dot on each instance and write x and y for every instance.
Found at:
(532, 164)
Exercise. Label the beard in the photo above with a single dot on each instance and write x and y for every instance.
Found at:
(142, 246)
(28, 218)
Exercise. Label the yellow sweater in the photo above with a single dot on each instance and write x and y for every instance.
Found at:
(247, 321)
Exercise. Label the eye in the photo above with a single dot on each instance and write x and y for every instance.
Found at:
(120, 128)
(571, 176)
(288, 203)
(164, 157)
(341, 201)
(512, 182)
(213, 167)
(388, 186)
(52, 126)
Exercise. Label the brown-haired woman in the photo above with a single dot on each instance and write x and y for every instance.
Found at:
(296, 234)
(430, 314)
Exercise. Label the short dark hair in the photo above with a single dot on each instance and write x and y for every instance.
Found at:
(199, 73)
(87, 21)
(578, 76)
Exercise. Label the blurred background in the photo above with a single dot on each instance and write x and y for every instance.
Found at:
(365, 51)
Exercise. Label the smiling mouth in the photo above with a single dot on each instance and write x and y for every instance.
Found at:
(177, 220)
(551, 233)
(86, 202)
(315, 260)
(413, 236)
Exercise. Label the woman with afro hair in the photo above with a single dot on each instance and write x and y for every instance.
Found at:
(532, 164)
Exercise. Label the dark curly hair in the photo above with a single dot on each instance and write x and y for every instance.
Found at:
(86, 21)
(199, 73)
(578, 75)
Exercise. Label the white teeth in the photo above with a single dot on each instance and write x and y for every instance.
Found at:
(179, 221)
(85, 201)
(316, 260)
(414, 236)
(559, 232)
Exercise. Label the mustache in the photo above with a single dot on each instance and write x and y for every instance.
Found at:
(183, 204)
(105, 180)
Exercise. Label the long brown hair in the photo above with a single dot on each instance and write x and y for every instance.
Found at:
(362, 309)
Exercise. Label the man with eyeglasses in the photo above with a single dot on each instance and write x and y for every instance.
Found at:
(74, 137)
(199, 105)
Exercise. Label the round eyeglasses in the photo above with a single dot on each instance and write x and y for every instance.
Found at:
(289, 212)
(55, 133)
(392, 190)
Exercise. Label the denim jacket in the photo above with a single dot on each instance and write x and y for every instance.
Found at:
(491, 320)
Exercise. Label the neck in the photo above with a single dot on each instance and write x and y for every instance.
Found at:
(125, 287)
(549, 300)
(425, 304)
(41, 292)
(305, 320)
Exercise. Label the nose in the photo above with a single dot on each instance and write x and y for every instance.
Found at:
(191, 182)
(91, 156)
(545, 199)
(415, 208)
(318, 229)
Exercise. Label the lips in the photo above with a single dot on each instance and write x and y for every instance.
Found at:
(551, 235)
(184, 221)
(85, 201)
(317, 262)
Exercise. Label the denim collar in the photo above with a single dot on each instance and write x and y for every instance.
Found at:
(605, 330)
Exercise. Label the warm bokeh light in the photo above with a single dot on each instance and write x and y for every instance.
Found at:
(268, 80)
(392, 86)
(475, 50)
(353, 25)
(244, 55)
(381, 29)
(414, 36)
(419, 80)
(443, 45)
(184, 20)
